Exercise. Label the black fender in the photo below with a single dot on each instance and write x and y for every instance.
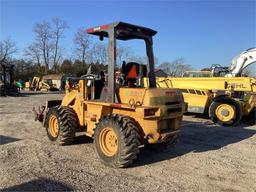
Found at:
(49, 104)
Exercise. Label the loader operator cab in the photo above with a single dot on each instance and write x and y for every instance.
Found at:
(131, 76)
(133, 72)
(93, 85)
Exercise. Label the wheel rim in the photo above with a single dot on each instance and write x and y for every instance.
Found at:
(53, 126)
(108, 141)
(225, 112)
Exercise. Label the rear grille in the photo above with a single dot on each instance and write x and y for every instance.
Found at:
(167, 125)
(174, 110)
(172, 103)
(184, 90)
(174, 106)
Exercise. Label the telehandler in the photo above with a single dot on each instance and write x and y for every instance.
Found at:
(225, 99)
(120, 118)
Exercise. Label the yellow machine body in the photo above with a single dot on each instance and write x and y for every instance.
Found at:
(120, 114)
(42, 84)
(199, 93)
(210, 83)
(158, 112)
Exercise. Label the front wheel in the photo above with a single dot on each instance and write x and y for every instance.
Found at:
(61, 124)
(117, 140)
(225, 111)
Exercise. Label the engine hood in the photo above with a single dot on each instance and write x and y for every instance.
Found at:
(149, 96)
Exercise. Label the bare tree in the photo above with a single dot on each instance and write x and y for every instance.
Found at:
(82, 42)
(7, 48)
(58, 28)
(98, 54)
(43, 39)
(34, 53)
(123, 54)
(48, 37)
(175, 68)
(137, 59)
(249, 71)
(141, 59)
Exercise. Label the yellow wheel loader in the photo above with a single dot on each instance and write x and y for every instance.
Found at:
(120, 118)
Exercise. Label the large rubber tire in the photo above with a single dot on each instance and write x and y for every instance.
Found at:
(126, 142)
(66, 122)
(230, 104)
(250, 119)
(160, 147)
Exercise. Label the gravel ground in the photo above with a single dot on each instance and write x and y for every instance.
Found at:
(206, 158)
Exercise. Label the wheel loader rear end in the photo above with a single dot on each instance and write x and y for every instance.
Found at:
(120, 118)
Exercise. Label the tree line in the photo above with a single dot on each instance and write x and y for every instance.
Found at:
(46, 54)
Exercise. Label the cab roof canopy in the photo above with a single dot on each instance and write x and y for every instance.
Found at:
(124, 31)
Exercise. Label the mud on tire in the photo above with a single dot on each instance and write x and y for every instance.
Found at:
(127, 140)
(161, 147)
(250, 119)
(66, 122)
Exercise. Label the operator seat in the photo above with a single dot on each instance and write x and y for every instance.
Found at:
(132, 72)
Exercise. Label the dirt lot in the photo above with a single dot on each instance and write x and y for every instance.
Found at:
(207, 158)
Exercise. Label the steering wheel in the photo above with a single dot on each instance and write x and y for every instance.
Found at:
(88, 76)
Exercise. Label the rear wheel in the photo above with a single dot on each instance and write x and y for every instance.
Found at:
(117, 140)
(225, 111)
(250, 119)
(61, 124)
(160, 147)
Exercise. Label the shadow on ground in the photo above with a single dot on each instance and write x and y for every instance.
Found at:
(31, 93)
(248, 119)
(7, 139)
(40, 184)
(197, 137)
(82, 139)
(198, 115)
(251, 118)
